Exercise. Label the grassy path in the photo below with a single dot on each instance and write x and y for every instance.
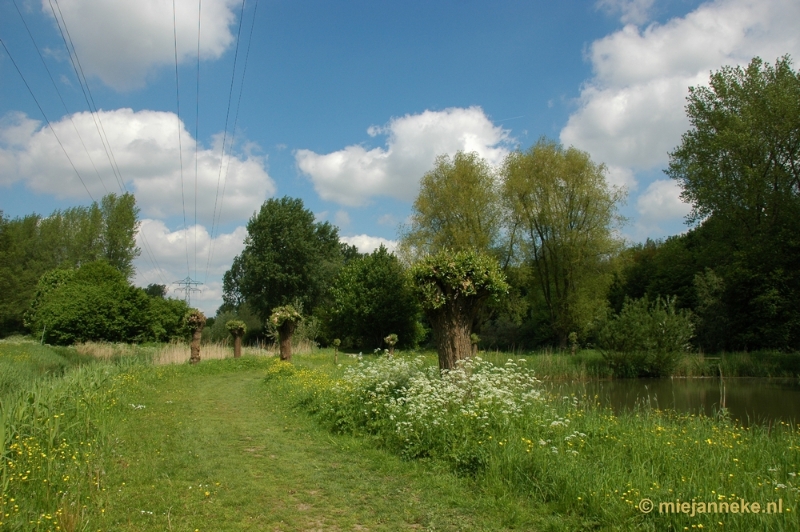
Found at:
(221, 450)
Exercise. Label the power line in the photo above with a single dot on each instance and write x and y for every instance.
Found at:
(87, 94)
(60, 97)
(225, 134)
(151, 259)
(197, 130)
(45, 118)
(180, 144)
(233, 131)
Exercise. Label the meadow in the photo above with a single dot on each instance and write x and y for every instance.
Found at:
(115, 437)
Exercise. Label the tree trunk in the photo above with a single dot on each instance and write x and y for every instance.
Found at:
(285, 331)
(391, 351)
(195, 345)
(452, 327)
(237, 346)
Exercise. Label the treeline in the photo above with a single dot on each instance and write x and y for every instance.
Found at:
(66, 277)
(549, 218)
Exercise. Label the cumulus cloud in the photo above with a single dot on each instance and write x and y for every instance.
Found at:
(145, 148)
(631, 113)
(368, 244)
(661, 201)
(123, 41)
(165, 256)
(355, 174)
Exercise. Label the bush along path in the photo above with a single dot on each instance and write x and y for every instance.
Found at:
(216, 447)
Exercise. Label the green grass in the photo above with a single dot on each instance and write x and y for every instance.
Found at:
(124, 445)
(577, 460)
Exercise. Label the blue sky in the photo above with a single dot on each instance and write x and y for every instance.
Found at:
(345, 105)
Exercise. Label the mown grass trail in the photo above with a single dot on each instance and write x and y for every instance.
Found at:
(216, 448)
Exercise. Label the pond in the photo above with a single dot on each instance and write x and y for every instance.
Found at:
(751, 401)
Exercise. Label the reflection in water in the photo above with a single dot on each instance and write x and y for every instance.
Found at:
(751, 401)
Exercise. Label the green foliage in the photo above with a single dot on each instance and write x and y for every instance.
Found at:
(156, 290)
(236, 327)
(737, 166)
(565, 214)
(458, 208)
(590, 467)
(448, 278)
(96, 303)
(287, 257)
(33, 245)
(217, 332)
(371, 298)
(391, 340)
(165, 319)
(194, 319)
(285, 313)
(646, 339)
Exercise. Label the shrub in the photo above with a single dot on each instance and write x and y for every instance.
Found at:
(646, 339)
(96, 303)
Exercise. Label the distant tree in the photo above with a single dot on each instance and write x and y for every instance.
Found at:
(287, 257)
(458, 208)
(371, 298)
(349, 252)
(738, 167)
(33, 244)
(285, 318)
(120, 226)
(237, 328)
(156, 290)
(195, 321)
(94, 302)
(565, 214)
(451, 288)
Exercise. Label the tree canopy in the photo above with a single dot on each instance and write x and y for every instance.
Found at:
(458, 207)
(372, 298)
(565, 214)
(739, 167)
(97, 303)
(288, 258)
(34, 244)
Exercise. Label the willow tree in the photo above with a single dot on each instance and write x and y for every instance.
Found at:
(285, 319)
(452, 287)
(565, 214)
(458, 208)
(195, 321)
(237, 328)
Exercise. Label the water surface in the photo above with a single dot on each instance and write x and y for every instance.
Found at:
(749, 400)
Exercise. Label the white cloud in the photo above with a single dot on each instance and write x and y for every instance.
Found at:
(631, 114)
(368, 244)
(661, 201)
(171, 250)
(621, 178)
(355, 174)
(145, 148)
(341, 219)
(631, 11)
(387, 219)
(123, 41)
